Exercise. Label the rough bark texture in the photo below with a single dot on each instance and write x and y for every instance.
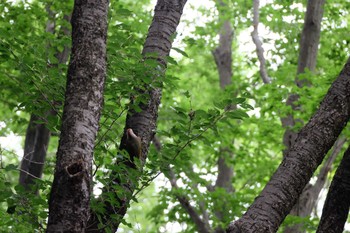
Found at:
(307, 200)
(166, 18)
(314, 140)
(336, 208)
(70, 193)
(309, 43)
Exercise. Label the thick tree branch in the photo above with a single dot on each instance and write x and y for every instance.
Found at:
(336, 208)
(314, 140)
(309, 43)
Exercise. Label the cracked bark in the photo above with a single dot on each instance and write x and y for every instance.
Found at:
(166, 18)
(70, 194)
(314, 140)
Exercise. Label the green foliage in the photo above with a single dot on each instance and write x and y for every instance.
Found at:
(198, 122)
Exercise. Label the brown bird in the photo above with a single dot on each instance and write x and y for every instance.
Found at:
(133, 144)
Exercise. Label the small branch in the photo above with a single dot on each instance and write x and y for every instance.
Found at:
(185, 203)
(202, 226)
(21, 170)
(258, 43)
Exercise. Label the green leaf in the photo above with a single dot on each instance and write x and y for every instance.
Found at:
(180, 51)
(237, 114)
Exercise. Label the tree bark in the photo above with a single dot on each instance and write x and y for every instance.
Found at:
(307, 200)
(167, 14)
(336, 208)
(70, 194)
(314, 140)
(309, 43)
(35, 148)
(310, 38)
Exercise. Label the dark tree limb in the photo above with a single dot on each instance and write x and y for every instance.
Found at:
(314, 140)
(336, 207)
(307, 200)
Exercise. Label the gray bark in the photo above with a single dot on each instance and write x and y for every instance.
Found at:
(70, 194)
(166, 18)
(310, 38)
(314, 140)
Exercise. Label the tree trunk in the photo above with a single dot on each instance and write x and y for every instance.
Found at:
(223, 60)
(35, 148)
(166, 18)
(309, 43)
(70, 194)
(310, 37)
(336, 208)
(314, 140)
(38, 135)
